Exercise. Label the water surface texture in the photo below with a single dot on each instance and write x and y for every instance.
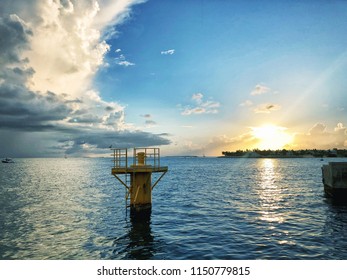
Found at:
(203, 208)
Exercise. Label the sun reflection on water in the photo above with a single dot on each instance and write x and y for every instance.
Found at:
(270, 194)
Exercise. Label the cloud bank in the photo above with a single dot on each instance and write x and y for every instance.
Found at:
(201, 106)
(321, 137)
(49, 54)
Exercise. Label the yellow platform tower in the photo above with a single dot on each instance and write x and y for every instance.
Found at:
(137, 175)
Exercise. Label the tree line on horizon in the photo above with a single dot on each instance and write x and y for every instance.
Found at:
(284, 152)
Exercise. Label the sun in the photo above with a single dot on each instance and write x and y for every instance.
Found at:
(271, 137)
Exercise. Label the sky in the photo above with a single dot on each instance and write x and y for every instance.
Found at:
(192, 77)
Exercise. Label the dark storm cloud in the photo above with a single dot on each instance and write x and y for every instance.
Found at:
(120, 139)
(84, 117)
(109, 108)
(14, 37)
(75, 101)
(24, 109)
(21, 108)
(75, 124)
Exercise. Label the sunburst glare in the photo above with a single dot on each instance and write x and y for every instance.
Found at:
(271, 137)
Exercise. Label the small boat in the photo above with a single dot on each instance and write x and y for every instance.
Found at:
(335, 179)
(7, 160)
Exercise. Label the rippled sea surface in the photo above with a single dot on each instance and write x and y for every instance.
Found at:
(203, 208)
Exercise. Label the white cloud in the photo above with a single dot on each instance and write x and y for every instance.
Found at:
(260, 89)
(168, 52)
(121, 60)
(125, 63)
(201, 106)
(66, 48)
(340, 127)
(113, 12)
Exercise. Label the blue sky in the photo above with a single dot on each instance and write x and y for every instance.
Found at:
(223, 50)
(193, 77)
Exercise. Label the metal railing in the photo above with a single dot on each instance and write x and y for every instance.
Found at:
(151, 157)
(120, 158)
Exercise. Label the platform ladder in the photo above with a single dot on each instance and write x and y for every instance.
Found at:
(120, 161)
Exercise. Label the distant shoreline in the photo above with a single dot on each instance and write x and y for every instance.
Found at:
(308, 153)
(275, 156)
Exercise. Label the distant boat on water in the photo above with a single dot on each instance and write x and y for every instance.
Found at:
(7, 160)
(335, 179)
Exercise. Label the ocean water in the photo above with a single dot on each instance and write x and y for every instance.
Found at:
(203, 208)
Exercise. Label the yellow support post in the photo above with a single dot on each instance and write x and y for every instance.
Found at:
(146, 162)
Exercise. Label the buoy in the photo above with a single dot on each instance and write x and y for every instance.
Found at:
(137, 178)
